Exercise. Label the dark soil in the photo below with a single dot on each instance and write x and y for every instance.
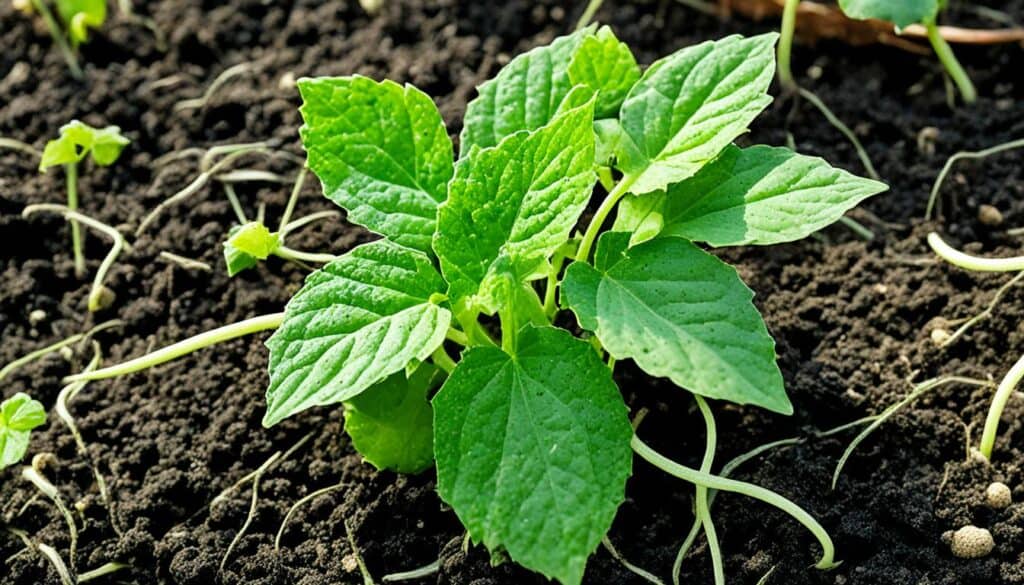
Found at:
(852, 319)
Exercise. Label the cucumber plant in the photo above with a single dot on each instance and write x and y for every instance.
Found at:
(76, 141)
(19, 414)
(530, 435)
(76, 18)
(925, 13)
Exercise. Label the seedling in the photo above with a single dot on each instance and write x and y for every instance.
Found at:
(19, 414)
(923, 12)
(76, 16)
(76, 141)
(530, 434)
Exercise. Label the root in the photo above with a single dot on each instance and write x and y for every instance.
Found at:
(101, 571)
(838, 124)
(643, 574)
(291, 511)
(33, 475)
(969, 262)
(58, 563)
(984, 314)
(218, 82)
(972, 155)
(39, 353)
(186, 263)
(420, 573)
(20, 146)
(367, 577)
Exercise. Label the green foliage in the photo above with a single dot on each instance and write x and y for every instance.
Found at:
(530, 436)
(19, 414)
(78, 140)
(247, 245)
(79, 16)
(902, 13)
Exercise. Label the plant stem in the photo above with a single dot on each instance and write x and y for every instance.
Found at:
(838, 124)
(601, 215)
(298, 255)
(420, 573)
(933, 196)
(588, 13)
(289, 208)
(995, 412)
(785, 51)
(20, 146)
(958, 258)
(303, 221)
(443, 360)
(58, 37)
(185, 347)
(691, 475)
(703, 509)
(71, 174)
(949, 61)
(550, 289)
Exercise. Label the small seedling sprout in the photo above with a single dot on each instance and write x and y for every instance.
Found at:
(19, 415)
(77, 141)
(33, 474)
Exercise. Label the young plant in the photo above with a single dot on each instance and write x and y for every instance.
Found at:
(531, 436)
(19, 414)
(76, 141)
(76, 16)
(923, 12)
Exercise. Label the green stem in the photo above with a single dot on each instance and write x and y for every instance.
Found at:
(785, 50)
(71, 173)
(588, 13)
(995, 412)
(286, 217)
(58, 38)
(300, 256)
(971, 155)
(703, 507)
(443, 360)
(950, 62)
(456, 336)
(185, 347)
(958, 258)
(609, 203)
(550, 305)
(838, 124)
(691, 475)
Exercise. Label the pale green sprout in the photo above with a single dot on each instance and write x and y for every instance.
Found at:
(76, 141)
(19, 414)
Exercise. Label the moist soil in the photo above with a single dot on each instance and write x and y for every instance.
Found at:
(853, 319)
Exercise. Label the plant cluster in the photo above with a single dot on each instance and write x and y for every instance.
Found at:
(529, 433)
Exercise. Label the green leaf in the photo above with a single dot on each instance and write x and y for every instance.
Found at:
(391, 424)
(759, 195)
(80, 15)
(641, 215)
(512, 206)
(359, 319)
(533, 450)
(19, 414)
(680, 313)
(607, 67)
(692, 104)
(524, 95)
(247, 244)
(902, 13)
(381, 152)
(77, 140)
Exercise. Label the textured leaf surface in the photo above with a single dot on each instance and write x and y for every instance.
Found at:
(524, 95)
(19, 414)
(511, 206)
(607, 67)
(533, 450)
(680, 313)
(899, 12)
(759, 195)
(381, 152)
(391, 424)
(357, 320)
(692, 104)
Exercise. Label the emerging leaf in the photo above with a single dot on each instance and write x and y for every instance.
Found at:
(902, 13)
(692, 104)
(359, 319)
(381, 151)
(680, 313)
(607, 67)
(512, 206)
(247, 244)
(391, 424)
(533, 450)
(77, 140)
(759, 195)
(525, 95)
(81, 15)
(19, 414)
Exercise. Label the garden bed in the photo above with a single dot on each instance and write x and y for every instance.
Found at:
(852, 319)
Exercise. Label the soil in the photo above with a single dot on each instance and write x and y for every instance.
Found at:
(852, 319)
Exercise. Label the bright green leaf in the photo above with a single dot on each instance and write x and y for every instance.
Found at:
(524, 95)
(391, 423)
(77, 140)
(692, 104)
(247, 244)
(680, 313)
(81, 15)
(533, 450)
(899, 12)
(359, 319)
(512, 206)
(607, 67)
(759, 195)
(641, 215)
(19, 414)
(381, 152)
